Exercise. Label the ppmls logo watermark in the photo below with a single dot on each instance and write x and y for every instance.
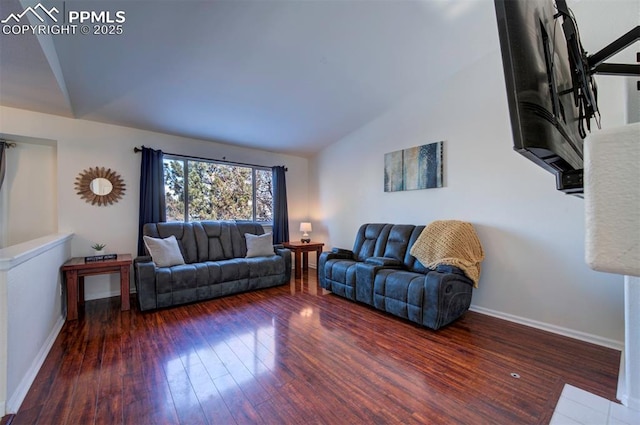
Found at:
(53, 22)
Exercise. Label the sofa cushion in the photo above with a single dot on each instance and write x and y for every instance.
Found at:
(214, 240)
(182, 231)
(370, 241)
(399, 293)
(410, 262)
(397, 241)
(259, 245)
(265, 266)
(233, 269)
(165, 252)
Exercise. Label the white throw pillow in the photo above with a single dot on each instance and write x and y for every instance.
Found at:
(259, 245)
(164, 252)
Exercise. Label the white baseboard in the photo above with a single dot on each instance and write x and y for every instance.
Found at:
(101, 295)
(16, 399)
(582, 336)
(106, 294)
(311, 266)
(631, 403)
(623, 391)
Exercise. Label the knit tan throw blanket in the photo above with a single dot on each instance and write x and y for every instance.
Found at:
(450, 242)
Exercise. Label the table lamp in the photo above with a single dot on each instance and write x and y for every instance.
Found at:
(305, 228)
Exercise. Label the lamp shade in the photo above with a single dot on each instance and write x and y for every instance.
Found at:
(305, 227)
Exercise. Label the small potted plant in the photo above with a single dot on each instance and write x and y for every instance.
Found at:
(98, 248)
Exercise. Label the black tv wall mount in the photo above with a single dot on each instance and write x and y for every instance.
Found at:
(595, 61)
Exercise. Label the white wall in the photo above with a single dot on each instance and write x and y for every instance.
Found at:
(31, 313)
(533, 235)
(82, 144)
(601, 22)
(28, 206)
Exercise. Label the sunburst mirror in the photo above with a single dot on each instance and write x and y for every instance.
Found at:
(100, 186)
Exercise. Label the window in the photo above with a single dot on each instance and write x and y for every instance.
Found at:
(207, 190)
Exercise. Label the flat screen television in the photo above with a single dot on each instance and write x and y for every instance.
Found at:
(551, 94)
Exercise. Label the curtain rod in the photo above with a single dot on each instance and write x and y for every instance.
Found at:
(8, 144)
(223, 160)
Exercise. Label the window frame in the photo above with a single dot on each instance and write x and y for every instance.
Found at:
(185, 163)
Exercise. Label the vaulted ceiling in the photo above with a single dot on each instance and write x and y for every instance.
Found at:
(288, 76)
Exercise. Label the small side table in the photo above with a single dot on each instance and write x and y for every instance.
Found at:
(76, 269)
(301, 252)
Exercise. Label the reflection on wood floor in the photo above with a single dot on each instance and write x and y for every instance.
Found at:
(297, 354)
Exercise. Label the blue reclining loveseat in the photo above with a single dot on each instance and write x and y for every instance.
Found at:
(381, 272)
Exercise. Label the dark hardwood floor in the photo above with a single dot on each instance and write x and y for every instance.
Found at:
(295, 354)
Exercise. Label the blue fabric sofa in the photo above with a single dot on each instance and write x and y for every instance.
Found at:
(380, 271)
(215, 265)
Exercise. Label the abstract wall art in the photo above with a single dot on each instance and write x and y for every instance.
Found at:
(414, 168)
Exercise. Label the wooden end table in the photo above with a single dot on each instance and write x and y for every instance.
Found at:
(77, 268)
(301, 252)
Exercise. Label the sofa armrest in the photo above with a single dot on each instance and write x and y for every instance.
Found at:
(281, 250)
(143, 259)
(342, 253)
(334, 254)
(144, 272)
(384, 262)
(285, 253)
(446, 268)
(447, 296)
(366, 274)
